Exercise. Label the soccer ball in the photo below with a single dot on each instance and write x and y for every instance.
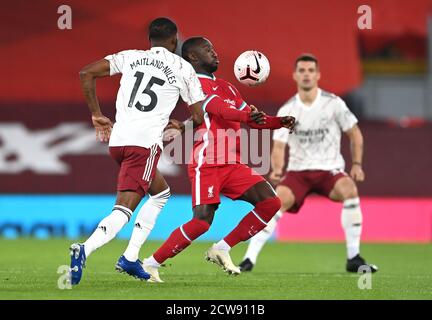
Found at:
(252, 68)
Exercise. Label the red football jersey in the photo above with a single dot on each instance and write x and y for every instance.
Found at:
(218, 141)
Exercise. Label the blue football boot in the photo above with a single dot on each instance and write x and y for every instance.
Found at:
(133, 269)
(78, 259)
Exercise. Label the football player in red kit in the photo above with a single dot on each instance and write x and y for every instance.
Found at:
(216, 169)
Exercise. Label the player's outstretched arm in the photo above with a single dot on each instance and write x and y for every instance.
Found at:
(356, 141)
(216, 106)
(272, 122)
(88, 76)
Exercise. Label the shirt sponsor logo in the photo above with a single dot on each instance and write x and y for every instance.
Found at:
(231, 102)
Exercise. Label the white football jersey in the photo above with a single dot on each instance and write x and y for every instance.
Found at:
(315, 143)
(150, 86)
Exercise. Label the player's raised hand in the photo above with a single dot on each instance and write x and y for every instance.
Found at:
(253, 108)
(357, 173)
(289, 123)
(256, 115)
(103, 126)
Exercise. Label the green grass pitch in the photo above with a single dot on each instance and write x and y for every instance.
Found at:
(28, 270)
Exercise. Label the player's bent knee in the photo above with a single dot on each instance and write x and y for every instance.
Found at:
(286, 196)
(349, 191)
(287, 203)
(161, 198)
(351, 194)
(345, 188)
(128, 199)
(266, 209)
(205, 212)
(161, 194)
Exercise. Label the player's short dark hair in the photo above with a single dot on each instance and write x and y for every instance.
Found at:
(162, 29)
(306, 57)
(188, 46)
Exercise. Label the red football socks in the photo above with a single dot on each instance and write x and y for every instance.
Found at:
(180, 239)
(254, 221)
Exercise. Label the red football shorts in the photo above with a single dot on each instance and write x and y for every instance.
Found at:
(231, 180)
(305, 182)
(137, 167)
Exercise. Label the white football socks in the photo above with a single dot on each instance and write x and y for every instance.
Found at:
(151, 261)
(222, 245)
(107, 229)
(351, 220)
(257, 241)
(145, 222)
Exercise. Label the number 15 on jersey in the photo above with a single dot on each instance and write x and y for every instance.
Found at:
(148, 91)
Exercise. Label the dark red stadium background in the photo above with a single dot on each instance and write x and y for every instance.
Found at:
(40, 89)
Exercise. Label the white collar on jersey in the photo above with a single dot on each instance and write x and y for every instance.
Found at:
(314, 103)
(159, 48)
(202, 75)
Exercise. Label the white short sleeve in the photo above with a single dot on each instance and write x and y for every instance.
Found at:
(281, 134)
(191, 91)
(117, 61)
(344, 117)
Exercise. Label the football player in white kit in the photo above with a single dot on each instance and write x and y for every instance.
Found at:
(315, 163)
(152, 82)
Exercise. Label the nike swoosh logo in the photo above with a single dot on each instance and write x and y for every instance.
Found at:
(258, 69)
(214, 88)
